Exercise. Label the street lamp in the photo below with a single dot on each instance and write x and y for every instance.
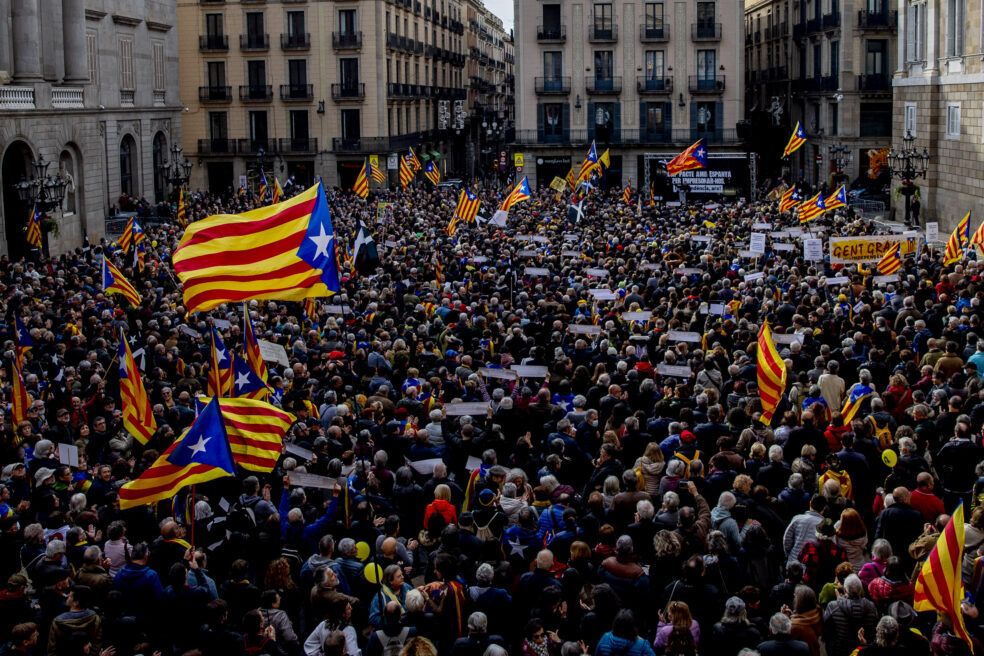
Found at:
(841, 158)
(176, 173)
(45, 191)
(908, 164)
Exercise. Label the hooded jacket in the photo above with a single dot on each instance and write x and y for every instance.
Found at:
(63, 626)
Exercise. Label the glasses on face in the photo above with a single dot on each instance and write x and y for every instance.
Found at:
(538, 636)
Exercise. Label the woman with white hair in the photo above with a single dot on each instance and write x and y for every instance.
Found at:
(845, 616)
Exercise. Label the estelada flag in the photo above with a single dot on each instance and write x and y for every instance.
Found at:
(797, 139)
(694, 157)
(138, 416)
(283, 251)
(771, 374)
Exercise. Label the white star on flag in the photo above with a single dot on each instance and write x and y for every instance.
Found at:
(242, 380)
(517, 547)
(322, 241)
(199, 446)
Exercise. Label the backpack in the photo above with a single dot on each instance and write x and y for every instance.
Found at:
(882, 433)
(241, 516)
(484, 533)
(392, 645)
(686, 461)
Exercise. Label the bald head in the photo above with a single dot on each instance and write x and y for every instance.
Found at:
(924, 481)
(901, 495)
(388, 547)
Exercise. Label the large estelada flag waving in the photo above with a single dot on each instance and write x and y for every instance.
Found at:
(694, 157)
(284, 251)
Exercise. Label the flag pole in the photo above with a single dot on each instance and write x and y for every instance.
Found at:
(193, 497)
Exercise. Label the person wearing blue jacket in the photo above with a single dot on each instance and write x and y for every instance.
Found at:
(140, 585)
(292, 529)
(623, 640)
(394, 588)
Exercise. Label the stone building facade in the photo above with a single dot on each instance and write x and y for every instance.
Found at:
(939, 99)
(92, 86)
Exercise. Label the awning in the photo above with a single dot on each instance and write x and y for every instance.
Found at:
(436, 155)
(425, 157)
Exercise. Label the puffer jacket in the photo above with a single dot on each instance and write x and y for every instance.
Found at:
(610, 645)
(841, 622)
(651, 473)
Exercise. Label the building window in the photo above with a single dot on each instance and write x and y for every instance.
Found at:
(603, 17)
(346, 21)
(834, 58)
(834, 119)
(705, 116)
(876, 120)
(126, 64)
(351, 124)
(553, 121)
(654, 118)
(349, 73)
(159, 150)
(953, 121)
(705, 15)
(706, 68)
(553, 65)
(213, 25)
(66, 163)
(159, 70)
(297, 73)
(910, 118)
(915, 32)
(92, 55)
(295, 25)
(954, 28)
(654, 15)
(603, 65)
(254, 28)
(876, 56)
(127, 159)
(218, 126)
(216, 74)
(654, 66)
(258, 130)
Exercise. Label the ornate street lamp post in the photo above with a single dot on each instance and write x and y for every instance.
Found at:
(908, 164)
(44, 190)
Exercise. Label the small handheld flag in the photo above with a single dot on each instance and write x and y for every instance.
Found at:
(959, 240)
(182, 210)
(797, 139)
(836, 199)
(375, 172)
(406, 172)
(790, 199)
(468, 204)
(431, 173)
(278, 191)
(138, 417)
(588, 165)
(771, 374)
(34, 227)
(361, 187)
(812, 208)
(114, 283)
(627, 194)
(263, 185)
(520, 193)
(891, 261)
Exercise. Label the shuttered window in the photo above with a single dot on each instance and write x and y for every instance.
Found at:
(126, 64)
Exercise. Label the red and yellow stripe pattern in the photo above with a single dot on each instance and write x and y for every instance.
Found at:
(771, 374)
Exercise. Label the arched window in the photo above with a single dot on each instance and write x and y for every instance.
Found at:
(160, 155)
(128, 153)
(66, 164)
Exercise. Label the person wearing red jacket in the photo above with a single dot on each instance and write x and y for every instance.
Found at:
(442, 505)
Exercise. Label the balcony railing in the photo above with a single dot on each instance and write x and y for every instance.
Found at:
(397, 90)
(216, 146)
(295, 41)
(67, 98)
(348, 91)
(625, 136)
(551, 33)
(253, 146)
(214, 94)
(344, 40)
(548, 85)
(254, 42)
(654, 33)
(878, 20)
(127, 97)
(298, 146)
(296, 91)
(654, 84)
(256, 92)
(603, 33)
(16, 97)
(799, 30)
(213, 42)
(705, 32)
(603, 85)
(874, 82)
(706, 84)
(813, 25)
(831, 20)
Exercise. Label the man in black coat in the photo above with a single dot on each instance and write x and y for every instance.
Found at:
(900, 524)
(781, 643)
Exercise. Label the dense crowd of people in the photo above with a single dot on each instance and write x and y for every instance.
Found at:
(616, 507)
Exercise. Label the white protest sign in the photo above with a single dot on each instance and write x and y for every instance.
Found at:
(524, 237)
(758, 225)
(687, 271)
(478, 259)
(757, 243)
(784, 247)
(473, 463)
(68, 454)
(784, 338)
(932, 231)
(499, 218)
(528, 253)
(570, 253)
(221, 324)
(579, 329)
(858, 306)
(884, 280)
(704, 238)
(540, 239)
(673, 370)
(474, 409)
(190, 332)
(273, 352)
(795, 232)
(748, 254)
(504, 374)
(537, 271)
(836, 280)
(602, 294)
(306, 454)
(334, 309)
(598, 273)
(751, 277)
(303, 479)
(529, 370)
(570, 237)
(389, 243)
(683, 336)
(715, 308)
(650, 266)
(778, 234)
(813, 249)
(643, 315)
(425, 467)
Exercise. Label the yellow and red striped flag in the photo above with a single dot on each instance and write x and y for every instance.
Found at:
(468, 204)
(453, 225)
(138, 417)
(220, 367)
(771, 374)
(571, 178)
(789, 200)
(283, 251)
(202, 454)
(375, 172)
(812, 208)
(251, 347)
(278, 191)
(246, 383)
(977, 239)
(413, 161)
(439, 273)
(939, 586)
(406, 173)
(627, 194)
(263, 185)
(19, 400)
(432, 173)
(256, 432)
(694, 157)
(958, 241)
(182, 214)
(114, 283)
(589, 164)
(520, 193)
(361, 187)
(127, 237)
(891, 261)
(34, 228)
(836, 199)
(797, 139)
